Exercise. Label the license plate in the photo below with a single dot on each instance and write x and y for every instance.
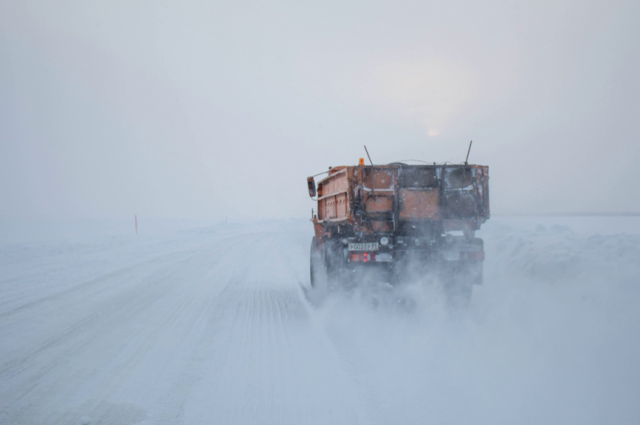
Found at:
(368, 246)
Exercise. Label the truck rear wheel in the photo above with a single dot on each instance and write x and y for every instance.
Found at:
(459, 293)
(315, 263)
(335, 264)
(458, 285)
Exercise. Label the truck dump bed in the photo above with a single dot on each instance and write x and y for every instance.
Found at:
(399, 198)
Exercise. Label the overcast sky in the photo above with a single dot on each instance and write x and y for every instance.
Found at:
(204, 109)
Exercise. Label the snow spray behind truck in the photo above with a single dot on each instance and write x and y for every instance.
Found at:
(391, 217)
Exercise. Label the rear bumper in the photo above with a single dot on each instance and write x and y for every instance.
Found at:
(420, 255)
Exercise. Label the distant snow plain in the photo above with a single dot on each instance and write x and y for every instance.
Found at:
(200, 323)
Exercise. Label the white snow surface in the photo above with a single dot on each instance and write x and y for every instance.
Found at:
(212, 325)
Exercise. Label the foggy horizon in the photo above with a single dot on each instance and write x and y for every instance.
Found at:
(213, 110)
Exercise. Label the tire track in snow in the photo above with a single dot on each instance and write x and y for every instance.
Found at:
(273, 366)
(112, 319)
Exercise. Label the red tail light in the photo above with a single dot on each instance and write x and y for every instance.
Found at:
(365, 257)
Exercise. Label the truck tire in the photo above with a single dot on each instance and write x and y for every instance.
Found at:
(315, 263)
(335, 264)
(458, 286)
(459, 294)
(318, 275)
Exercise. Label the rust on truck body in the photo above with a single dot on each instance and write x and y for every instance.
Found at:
(419, 204)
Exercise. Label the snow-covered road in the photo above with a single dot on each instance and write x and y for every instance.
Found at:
(211, 325)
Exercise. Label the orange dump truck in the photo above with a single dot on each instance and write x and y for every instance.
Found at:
(395, 216)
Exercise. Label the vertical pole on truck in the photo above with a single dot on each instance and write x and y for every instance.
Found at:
(466, 161)
(365, 149)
